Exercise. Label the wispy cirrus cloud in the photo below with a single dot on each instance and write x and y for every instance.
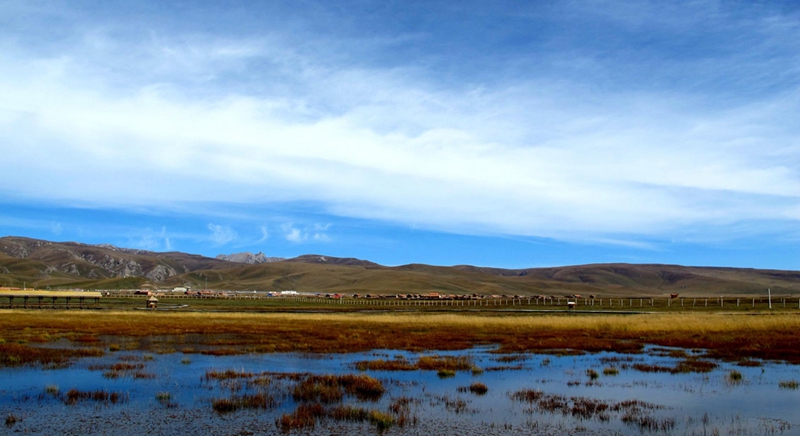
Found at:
(221, 235)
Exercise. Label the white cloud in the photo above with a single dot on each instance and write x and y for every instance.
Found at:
(264, 234)
(314, 232)
(294, 235)
(221, 235)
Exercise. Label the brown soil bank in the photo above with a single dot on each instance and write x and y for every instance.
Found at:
(725, 336)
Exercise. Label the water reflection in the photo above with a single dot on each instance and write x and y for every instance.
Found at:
(664, 391)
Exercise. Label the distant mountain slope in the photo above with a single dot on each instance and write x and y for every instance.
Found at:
(43, 263)
(69, 260)
(330, 260)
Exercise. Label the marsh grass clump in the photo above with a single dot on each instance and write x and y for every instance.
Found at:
(363, 387)
(223, 352)
(348, 413)
(73, 396)
(165, 399)
(332, 388)
(12, 419)
(648, 423)
(475, 388)
(186, 361)
(381, 420)
(120, 366)
(593, 375)
(13, 355)
(789, 384)
(685, 366)
(478, 388)
(445, 373)
(749, 363)
(734, 376)
(587, 408)
(527, 395)
(385, 365)
(512, 358)
(584, 407)
(260, 381)
(442, 364)
(694, 365)
(453, 363)
(120, 369)
(260, 400)
(610, 370)
(228, 374)
(303, 417)
(130, 358)
(52, 390)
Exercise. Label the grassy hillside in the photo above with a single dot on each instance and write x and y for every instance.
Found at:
(43, 263)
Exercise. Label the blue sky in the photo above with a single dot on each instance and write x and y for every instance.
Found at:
(509, 134)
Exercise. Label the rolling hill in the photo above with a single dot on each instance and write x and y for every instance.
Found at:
(70, 264)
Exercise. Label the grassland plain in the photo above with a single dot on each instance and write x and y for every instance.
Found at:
(723, 335)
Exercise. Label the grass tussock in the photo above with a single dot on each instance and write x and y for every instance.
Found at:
(52, 390)
(305, 416)
(629, 411)
(789, 384)
(445, 366)
(12, 419)
(386, 365)
(476, 388)
(691, 365)
(730, 337)
(445, 373)
(228, 374)
(610, 370)
(734, 376)
(74, 396)
(259, 400)
(332, 388)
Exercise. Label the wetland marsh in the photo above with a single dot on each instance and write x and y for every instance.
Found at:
(226, 374)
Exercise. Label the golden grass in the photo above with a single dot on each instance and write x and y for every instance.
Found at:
(59, 294)
(770, 336)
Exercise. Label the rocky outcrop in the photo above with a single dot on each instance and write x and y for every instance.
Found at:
(250, 258)
(161, 273)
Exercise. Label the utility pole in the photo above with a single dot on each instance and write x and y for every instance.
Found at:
(769, 297)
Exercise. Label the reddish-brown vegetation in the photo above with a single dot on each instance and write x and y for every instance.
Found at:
(729, 337)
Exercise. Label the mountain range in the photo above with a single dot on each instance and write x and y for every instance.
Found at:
(41, 264)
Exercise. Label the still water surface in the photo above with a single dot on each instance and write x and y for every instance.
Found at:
(708, 403)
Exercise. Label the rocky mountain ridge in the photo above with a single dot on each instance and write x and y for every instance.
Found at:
(249, 258)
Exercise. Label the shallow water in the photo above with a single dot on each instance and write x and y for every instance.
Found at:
(684, 403)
